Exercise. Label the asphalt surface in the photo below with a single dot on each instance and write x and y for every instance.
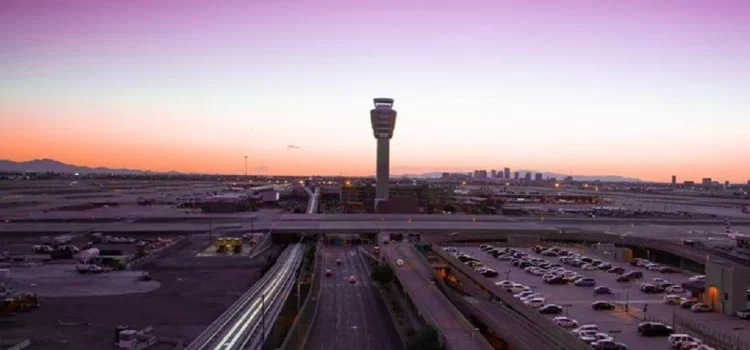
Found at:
(432, 304)
(350, 316)
(580, 299)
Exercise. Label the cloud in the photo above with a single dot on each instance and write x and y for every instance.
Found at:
(292, 147)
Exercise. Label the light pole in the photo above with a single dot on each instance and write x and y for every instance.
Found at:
(566, 307)
(614, 332)
(507, 275)
(737, 335)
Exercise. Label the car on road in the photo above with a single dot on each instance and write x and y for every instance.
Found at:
(618, 270)
(602, 290)
(565, 322)
(585, 282)
(700, 307)
(602, 305)
(654, 329)
(504, 284)
(338, 262)
(666, 269)
(697, 278)
(329, 273)
(352, 280)
(608, 344)
(489, 273)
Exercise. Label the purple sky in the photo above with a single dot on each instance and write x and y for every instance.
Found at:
(639, 88)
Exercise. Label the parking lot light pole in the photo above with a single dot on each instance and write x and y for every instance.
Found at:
(614, 333)
(737, 335)
(507, 275)
(566, 307)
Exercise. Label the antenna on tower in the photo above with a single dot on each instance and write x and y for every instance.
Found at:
(245, 166)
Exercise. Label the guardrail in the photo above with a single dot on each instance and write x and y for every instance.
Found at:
(557, 337)
(238, 327)
(298, 334)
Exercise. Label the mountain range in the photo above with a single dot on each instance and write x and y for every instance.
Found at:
(54, 166)
(589, 178)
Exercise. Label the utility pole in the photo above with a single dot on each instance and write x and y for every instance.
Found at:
(246, 167)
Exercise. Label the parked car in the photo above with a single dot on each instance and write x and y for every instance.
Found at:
(504, 284)
(585, 282)
(623, 279)
(676, 340)
(672, 299)
(634, 275)
(654, 329)
(675, 289)
(329, 273)
(550, 309)
(602, 290)
(700, 307)
(586, 327)
(744, 314)
(687, 304)
(602, 305)
(665, 269)
(608, 344)
(618, 270)
(565, 322)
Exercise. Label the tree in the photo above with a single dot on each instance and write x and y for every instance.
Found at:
(382, 274)
(426, 338)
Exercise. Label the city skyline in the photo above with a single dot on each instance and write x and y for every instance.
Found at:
(633, 89)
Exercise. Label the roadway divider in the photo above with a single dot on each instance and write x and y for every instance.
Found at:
(177, 244)
(303, 323)
(557, 337)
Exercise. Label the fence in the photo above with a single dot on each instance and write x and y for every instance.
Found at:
(303, 323)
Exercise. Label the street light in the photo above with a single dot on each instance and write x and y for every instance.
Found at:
(613, 332)
(507, 275)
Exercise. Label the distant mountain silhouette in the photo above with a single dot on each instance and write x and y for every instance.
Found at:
(559, 177)
(54, 166)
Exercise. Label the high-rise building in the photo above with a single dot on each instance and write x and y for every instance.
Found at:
(494, 173)
(507, 173)
(446, 175)
(674, 180)
(528, 176)
(516, 175)
(726, 184)
(538, 177)
(383, 119)
(706, 181)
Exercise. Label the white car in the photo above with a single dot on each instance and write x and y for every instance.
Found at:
(352, 280)
(653, 267)
(698, 278)
(504, 284)
(586, 327)
(523, 294)
(676, 340)
(675, 289)
(400, 262)
(504, 257)
(700, 307)
(672, 299)
(565, 322)
(535, 303)
(530, 297)
(518, 288)
(588, 267)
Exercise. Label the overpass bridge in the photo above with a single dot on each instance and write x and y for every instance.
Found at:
(432, 305)
(312, 204)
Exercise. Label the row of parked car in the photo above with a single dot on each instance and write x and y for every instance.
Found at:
(589, 334)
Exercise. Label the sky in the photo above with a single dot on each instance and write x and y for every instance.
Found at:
(638, 88)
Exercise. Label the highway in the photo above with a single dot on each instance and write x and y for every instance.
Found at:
(243, 324)
(350, 316)
(312, 204)
(433, 305)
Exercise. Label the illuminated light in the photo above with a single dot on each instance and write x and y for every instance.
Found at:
(557, 185)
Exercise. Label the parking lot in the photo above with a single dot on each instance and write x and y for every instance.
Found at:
(622, 325)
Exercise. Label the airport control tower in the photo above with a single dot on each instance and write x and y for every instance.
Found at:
(383, 119)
